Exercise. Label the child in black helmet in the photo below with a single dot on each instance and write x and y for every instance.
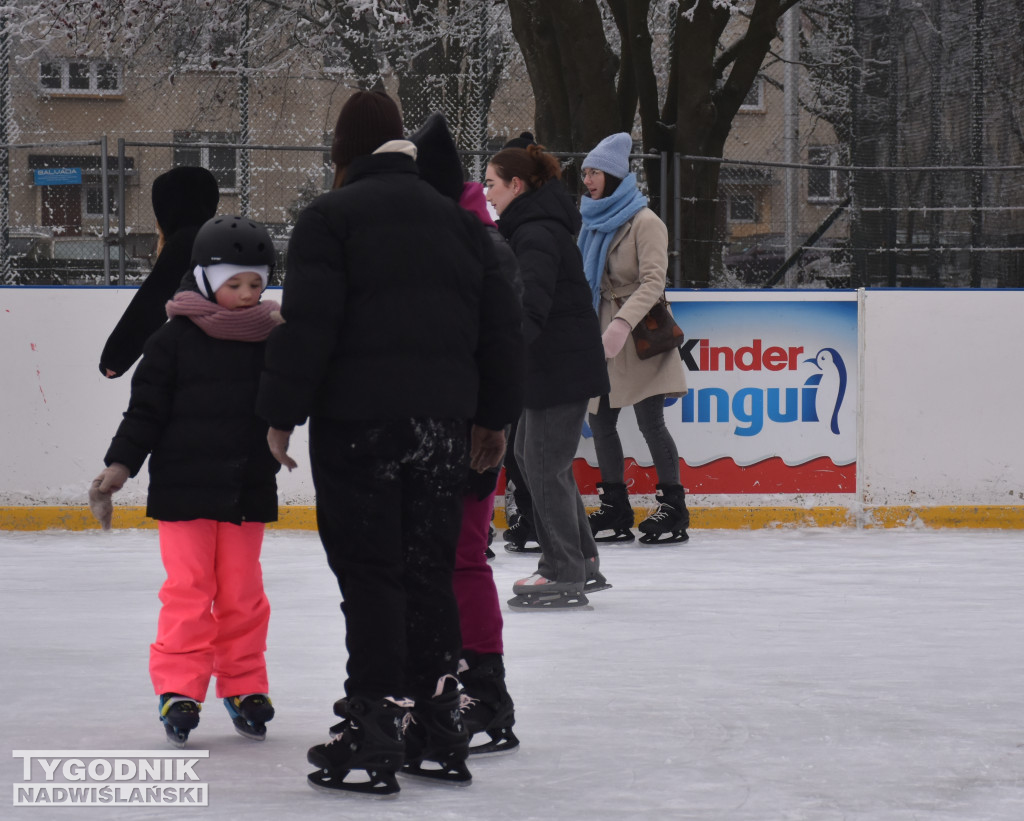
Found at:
(212, 479)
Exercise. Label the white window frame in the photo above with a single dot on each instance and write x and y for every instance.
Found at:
(97, 188)
(732, 198)
(221, 45)
(188, 140)
(757, 89)
(823, 155)
(93, 90)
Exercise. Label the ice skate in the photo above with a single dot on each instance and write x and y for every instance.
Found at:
(491, 709)
(437, 744)
(539, 593)
(180, 715)
(614, 515)
(250, 714)
(595, 579)
(668, 524)
(372, 739)
(520, 537)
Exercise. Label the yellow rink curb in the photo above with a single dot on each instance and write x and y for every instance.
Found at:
(302, 517)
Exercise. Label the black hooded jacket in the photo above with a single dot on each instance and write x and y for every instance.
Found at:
(394, 307)
(565, 357)
(183, 199)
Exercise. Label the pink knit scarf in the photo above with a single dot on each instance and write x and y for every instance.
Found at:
(248, 325)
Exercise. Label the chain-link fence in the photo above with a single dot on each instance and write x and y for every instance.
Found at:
(98, 227)
(928, 191)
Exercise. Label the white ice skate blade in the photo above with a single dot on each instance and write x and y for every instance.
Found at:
(371, 796)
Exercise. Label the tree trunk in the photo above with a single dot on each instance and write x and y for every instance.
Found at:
(572, 71)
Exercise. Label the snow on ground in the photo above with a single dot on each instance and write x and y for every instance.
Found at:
(774, 675)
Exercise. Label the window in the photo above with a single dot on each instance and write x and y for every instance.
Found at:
(93, 194)
(84, 77)
(823, 184)
(200, 48)
(200, 148)
(742, 208)
(754, 101)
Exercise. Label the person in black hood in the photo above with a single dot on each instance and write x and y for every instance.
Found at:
(183, 199)
(565, 367)
(482, 665)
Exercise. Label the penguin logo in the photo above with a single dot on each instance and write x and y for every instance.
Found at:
(831, 384)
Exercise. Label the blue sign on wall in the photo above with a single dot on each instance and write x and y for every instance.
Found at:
(57, 176)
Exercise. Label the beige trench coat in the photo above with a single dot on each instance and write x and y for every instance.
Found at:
(635, 273)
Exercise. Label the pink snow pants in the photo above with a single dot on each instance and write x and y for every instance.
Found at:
(473, 582)
(215, 614)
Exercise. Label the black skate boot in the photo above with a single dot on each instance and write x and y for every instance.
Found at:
(519, 534)
(250, 714)
(372, 739)
(668, 524)
(491, 709)
(488, 553)
(615, 514)
(180, 715)
(437, 734)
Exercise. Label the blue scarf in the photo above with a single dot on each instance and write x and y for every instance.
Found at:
(601, 219)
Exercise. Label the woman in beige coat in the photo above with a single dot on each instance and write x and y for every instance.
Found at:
(625, 256)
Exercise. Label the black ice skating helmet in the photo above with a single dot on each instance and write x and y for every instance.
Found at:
(233, 240)
(227, 243)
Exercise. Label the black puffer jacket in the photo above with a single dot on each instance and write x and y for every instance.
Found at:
(394, 307)
(565, 357)
(192, 411)
(183, 199)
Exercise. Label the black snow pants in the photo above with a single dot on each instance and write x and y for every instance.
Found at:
(389, 510)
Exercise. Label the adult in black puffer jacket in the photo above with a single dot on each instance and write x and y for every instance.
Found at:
(398, 337)
(183, 199)
(565, 367)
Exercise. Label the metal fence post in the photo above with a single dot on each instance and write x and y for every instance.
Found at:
(6, 268)
(121, 209)
(105, 205)
(677, 223)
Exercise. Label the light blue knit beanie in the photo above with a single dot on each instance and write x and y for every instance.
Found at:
(611, 155)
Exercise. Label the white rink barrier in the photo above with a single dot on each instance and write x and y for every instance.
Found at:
(924, 427)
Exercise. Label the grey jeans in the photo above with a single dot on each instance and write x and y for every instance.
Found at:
(650, 418)
(546, 442)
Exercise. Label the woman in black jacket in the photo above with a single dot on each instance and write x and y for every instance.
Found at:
(183, 199)
(565, 368)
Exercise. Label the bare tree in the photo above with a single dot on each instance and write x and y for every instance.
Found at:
(585, 89)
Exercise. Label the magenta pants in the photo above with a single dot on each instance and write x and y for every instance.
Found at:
(215, 614)
(479, 609)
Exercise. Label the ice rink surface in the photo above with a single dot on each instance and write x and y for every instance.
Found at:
(773, 675)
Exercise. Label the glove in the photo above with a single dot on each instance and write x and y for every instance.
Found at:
(278, 440)
(481, 485)
(614, 337)
(102, 490)
(486, 448)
